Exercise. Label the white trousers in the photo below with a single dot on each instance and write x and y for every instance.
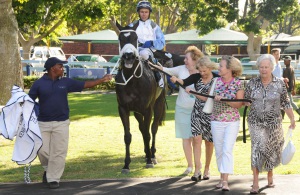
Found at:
(145, 53)
(224, 136)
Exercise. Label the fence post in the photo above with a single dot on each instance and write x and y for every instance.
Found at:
(28, 70)
(67, 71)
(108, 70)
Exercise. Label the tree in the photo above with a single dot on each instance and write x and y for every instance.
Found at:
(256, 18)
(85, 15)
(38, 19)
(172, 16)
(289, 23)
(10, 63)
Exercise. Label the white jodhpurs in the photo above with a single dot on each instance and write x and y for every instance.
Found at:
(145, 53)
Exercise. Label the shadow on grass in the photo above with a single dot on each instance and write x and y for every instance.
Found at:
(89, 105)
(90, 165)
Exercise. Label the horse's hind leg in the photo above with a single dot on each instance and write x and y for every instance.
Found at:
(144, 126)
(124, 114)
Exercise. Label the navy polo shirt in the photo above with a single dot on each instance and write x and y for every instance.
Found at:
(53, 97)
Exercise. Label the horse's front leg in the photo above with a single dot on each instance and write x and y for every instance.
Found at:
(144, 125)
(159, 115)
(124, 115)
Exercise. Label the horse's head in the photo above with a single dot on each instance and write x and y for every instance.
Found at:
(128, 40)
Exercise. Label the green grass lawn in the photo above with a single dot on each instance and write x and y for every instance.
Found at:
(97, 149)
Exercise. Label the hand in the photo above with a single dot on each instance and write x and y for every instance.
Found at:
(247, 103)
(294, 92)
(157, 66)
(173, 79)
(107, 77)
(148, 44)
(187, 90)
(286, 80)
(293, 124)
(218, 98)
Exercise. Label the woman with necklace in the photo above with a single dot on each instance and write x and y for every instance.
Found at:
(200, 120)
(185, 104)
(225, 117)
(268, 95)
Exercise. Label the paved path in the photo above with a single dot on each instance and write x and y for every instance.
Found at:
(285, 185)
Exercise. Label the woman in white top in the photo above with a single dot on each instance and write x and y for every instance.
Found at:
(184, 106)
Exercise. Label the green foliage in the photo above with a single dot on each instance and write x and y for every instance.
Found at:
(297, 87)
(39, 15)
(214, 14)
(84, 15)
(29, 80)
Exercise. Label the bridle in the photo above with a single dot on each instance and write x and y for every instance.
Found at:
(126, 49)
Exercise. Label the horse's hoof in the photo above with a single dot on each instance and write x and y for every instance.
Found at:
(125, 171)
(149, 166)
(154, 160)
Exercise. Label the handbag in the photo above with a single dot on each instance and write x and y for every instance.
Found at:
(289, 150)
(209, 104)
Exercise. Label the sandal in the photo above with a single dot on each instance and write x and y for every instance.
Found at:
(225, 186)
(270, 185)
(188, 171)
(254, 191)
(206, 176)
(219, 185)
(196, 177)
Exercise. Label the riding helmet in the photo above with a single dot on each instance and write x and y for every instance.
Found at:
(143, 4)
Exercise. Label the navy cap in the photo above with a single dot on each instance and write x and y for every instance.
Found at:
(52, 62)
(287, 58)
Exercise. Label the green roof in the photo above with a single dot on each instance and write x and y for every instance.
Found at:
(218, 36)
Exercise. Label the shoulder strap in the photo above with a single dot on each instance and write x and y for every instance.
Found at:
(153, 24)
(134, 22)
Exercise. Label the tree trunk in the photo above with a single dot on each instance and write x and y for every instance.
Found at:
(254, 46)
(10, 63)
(255, 41)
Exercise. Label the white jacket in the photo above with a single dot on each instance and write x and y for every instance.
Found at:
(19, 119)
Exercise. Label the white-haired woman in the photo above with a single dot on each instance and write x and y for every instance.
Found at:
(268, 94)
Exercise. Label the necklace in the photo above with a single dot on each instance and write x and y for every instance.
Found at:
(266, 82)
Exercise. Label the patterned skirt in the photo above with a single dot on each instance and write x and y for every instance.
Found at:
(201, 123)
(266, 146)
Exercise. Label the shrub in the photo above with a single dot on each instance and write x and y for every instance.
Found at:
(297, 87)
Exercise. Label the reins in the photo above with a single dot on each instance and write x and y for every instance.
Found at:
(209, 96)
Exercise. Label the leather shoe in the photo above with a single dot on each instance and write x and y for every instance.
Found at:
(44, 177)
(53, 185)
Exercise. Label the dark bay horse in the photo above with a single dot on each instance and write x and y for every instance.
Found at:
(138, 91)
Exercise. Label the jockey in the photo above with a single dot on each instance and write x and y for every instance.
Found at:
(150, 35)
